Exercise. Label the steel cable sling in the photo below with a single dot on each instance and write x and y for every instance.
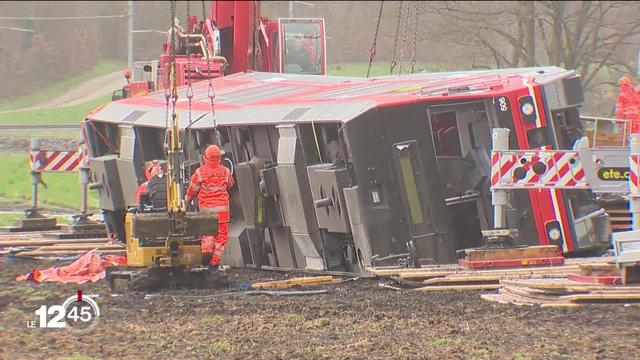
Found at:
(393, 63)
(372, 52)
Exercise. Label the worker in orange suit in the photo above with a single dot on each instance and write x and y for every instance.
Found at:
(210, 182)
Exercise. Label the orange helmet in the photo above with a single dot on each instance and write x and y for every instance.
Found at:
(212, 152)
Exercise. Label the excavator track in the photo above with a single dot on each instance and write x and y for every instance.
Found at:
(125, 279)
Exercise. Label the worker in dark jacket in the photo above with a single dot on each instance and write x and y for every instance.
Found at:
(153, 169)
(210, 183)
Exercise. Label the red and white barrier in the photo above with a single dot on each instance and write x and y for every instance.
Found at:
(59, 161)
(537, 169)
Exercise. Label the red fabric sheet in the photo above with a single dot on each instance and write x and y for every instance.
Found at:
(88, 267)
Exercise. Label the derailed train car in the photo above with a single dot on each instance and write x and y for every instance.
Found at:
(338, 173)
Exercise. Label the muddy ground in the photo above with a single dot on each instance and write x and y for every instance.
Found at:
(354, 320)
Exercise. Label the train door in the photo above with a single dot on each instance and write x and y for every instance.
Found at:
(462, 141)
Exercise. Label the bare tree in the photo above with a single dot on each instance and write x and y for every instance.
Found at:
(587, 36)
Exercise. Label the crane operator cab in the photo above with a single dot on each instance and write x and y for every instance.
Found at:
(303, 46)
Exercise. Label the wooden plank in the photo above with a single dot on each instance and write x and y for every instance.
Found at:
(42, 242)
(546, 251)
(561, 305)
(599, 268)
(483, 264)
(459, 287)
(602, 297)
(393, 272)
(299, 281)
(617, 211)
(521, 300)
(529, 271)
(67, 252)
(603, 280)
(81, 247)
(467, 279)
(494, 298)
(563, 285)
(530, 293)
(621, 218)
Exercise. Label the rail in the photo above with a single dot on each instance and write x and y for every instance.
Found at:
(40, 127)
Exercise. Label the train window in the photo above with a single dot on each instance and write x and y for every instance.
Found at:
(151, 141)
(538, 137)
(446, 136)
(105, 138)
(302, 48)
(412, 185)
(310, 144)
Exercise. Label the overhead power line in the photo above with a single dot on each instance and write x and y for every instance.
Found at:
(63, 18)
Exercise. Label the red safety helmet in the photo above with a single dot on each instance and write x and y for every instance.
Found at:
(212, 152)
(153, 169)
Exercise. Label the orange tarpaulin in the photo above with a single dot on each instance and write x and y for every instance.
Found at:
(88, 267)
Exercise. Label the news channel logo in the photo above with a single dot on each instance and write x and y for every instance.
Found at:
(79, 314)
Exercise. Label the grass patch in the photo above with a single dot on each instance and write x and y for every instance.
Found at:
(64, 188)
(521, 357)
(381, 68)
(320, 322)
(13, 311)
(78, 357)
(62, 115)
(213, 320)
(220, 346)
(295, 318)
(54, 90)
(36, 299)
(156, 338)
(445, 341)
(480, 353)
(7, 219)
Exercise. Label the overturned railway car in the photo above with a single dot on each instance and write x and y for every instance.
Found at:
(337, 173)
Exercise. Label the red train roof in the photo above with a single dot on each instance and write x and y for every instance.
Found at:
(274, 98)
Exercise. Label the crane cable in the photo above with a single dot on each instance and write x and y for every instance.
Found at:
(372, 52)
(189, 94)
(210, 91)
(404, 37)
(415, 39)
(172, 62)
(393, 63)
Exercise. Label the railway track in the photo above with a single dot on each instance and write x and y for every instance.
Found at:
(40, 127)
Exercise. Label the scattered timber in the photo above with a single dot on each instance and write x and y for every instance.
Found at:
(68, 252)
(299, 281)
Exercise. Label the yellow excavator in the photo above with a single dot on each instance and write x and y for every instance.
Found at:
(163, 246)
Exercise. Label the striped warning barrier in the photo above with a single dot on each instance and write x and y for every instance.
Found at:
(59, 160)
(634, 169)
(537, 169)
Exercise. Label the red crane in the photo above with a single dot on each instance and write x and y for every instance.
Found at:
(236, 38)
